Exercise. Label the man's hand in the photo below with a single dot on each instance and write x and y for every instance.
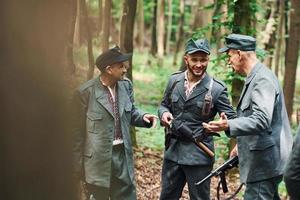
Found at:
(166, 119)
(148, 118)
(216, 126)
(234, 151)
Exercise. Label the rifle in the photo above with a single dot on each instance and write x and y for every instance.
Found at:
(183, 130)
(220, 171)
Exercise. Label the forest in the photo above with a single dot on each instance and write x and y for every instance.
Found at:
(48, 48)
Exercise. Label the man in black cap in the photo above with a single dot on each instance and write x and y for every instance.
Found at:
(103, 112)
(191, 97)
(262, 128)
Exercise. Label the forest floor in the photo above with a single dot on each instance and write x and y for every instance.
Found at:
(148, 164)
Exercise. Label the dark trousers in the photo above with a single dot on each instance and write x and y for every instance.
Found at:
(175, 176)
(293, 188)
(121, 186)
(263, 190)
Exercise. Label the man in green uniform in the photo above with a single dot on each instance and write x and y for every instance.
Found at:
(103, 112)
(191, 97)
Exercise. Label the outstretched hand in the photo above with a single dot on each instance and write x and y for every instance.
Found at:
(148, 118)
(217, 126)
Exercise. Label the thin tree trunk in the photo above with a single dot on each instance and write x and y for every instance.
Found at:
(69, 49)
(126, 42)
(291, 57)
(279, 37)
(153, 35)
(269, 33)
(106, 25)
(179, 37)
(90, 71)
(100, 14)
(160, 31)
(77, 31)
(141, 26)
(169, 28)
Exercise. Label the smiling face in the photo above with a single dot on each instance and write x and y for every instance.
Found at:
(196, 63)
(117, 71)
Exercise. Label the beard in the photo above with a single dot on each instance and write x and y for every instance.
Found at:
(196, 73)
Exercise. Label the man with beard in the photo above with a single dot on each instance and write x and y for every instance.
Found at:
(191, 97)
(103, 112)
(262, 127)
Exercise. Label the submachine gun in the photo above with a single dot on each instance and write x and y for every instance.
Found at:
(220, 171)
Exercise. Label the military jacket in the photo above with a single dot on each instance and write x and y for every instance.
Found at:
(189, 111)
(93, 130)
(262, 128)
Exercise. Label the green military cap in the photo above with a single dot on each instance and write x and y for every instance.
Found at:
(239, 42)
(193, 46)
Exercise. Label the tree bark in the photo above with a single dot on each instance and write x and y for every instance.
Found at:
(69, 49)
(153, 35)
(169, 27)
(127, 29)
(141, 26)
(179, 38)
(202, 16)
(291, 57)
(78, 23)
(100, 14)
(160, 31)
(90, 71)
(126, 42)
(278, 52)
(106, 25)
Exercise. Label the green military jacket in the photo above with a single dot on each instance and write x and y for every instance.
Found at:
(93, 130)
(189, 111)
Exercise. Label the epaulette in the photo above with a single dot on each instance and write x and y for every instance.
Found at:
(178, 72)
(220, 82)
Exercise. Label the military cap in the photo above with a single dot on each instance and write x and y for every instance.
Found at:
(193, 46)
(110, 57)
(239, 42)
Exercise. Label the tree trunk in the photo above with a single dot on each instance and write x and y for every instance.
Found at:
(88, 37)
(100, 14)
(169, 28)
(35, 141)
(217, 29)
(203, 17)
(153, 35)
(106, 25)
(179, 37)
(78, 23)
(242, 24)
(291, 57)
(269, 33)
(126, 42)
(280, 36)
(69, 49)
(160, 31)
(141, 26)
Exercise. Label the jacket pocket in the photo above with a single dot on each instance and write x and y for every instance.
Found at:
(261, 145)
(93, 121)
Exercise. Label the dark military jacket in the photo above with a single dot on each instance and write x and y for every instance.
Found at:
(189, 111)
(93, 129)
